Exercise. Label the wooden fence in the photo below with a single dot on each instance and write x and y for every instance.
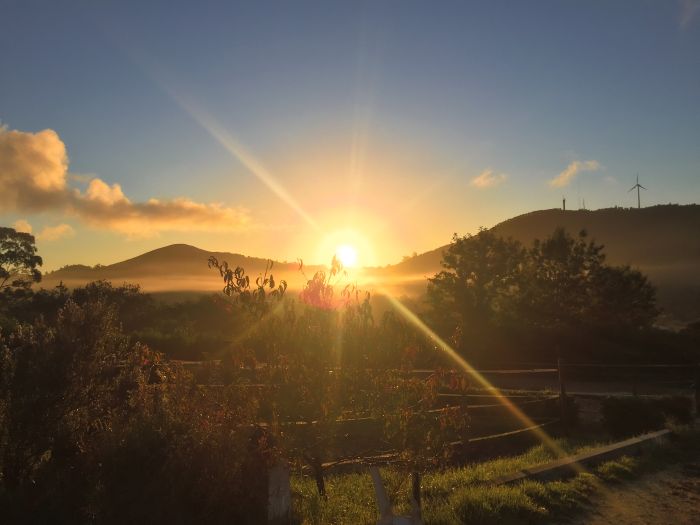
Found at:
(636, 374)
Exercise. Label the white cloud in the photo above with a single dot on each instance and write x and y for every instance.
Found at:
(55, 233)
(34, 175)
(23, 226)
(573, 169)
(488, 179)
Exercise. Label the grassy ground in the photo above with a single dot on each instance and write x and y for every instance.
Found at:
(464, 495)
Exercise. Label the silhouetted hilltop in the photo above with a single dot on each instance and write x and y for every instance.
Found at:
(662, 241)
(174, 267)
(656, 239)
(657, 235)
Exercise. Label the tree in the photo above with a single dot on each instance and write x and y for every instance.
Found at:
(18, 259)
(556, 284)
(495, 294)
(480, 275)
(566, 283)
(316, 383)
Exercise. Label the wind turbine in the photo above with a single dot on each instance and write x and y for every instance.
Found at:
(638, 187)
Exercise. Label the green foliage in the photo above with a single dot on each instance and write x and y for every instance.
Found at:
(464, 494)
(467, 494)
(618, 470)
(237, 284)
(413, 426)
(94, 427)
(191, 330)
(18, 259)
(566, 283)
(480, 274)
(318, 366)
(495, 294)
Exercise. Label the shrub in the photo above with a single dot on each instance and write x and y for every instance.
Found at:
(96, 428)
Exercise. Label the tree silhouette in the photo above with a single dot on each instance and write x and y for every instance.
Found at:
(566, 283)
(479, 277)
(558, 290)
(18, 259)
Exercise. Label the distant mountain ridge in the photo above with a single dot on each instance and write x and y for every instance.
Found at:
(662, 241)
(174, 258)
(172, 267)
(654, 238)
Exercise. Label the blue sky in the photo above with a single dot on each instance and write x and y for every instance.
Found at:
(375, 118)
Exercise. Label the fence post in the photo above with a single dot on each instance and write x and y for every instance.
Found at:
(697, 391)
(562, 396)
(279, 495)
(415, 497)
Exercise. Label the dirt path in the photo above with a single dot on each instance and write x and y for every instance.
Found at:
(671, 496)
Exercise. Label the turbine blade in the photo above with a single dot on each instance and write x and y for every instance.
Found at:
(633, 187)
(642, 187)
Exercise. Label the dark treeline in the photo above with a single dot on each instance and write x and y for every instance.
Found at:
(497, 300)
(195, 329)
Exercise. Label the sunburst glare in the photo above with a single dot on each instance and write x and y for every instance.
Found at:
(347, 255)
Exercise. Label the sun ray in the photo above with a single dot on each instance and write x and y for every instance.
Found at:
(218, 132)
(466, 367)
(239, 152)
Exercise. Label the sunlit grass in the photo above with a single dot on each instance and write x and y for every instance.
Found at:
(466, 494)
(351, 496)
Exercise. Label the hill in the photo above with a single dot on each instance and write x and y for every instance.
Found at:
(658, 237)
(662, 241)
(177, 267)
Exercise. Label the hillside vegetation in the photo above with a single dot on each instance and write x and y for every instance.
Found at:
(661, 241)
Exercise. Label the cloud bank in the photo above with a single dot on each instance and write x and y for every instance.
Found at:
(34, 178)
(488, 179)
(573, 169)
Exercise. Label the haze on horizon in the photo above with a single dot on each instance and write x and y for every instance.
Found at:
(382, 127)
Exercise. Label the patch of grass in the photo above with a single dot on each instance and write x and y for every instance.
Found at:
(350, 500)
(528, 502)
(465, 495)
(619, 470)
(479, 504)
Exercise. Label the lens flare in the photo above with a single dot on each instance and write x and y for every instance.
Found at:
(470, 371)
(347, 255)
(217, 131)
(352, 248)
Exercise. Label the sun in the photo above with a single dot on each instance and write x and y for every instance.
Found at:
(352, 249)
(347, 255)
